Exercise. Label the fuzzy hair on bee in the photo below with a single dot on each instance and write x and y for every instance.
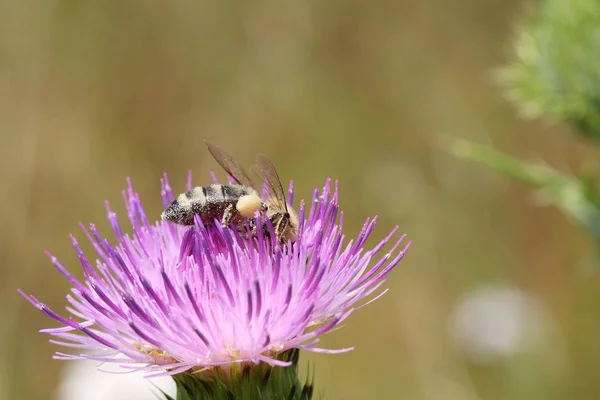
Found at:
(235, 205)
(229, 204)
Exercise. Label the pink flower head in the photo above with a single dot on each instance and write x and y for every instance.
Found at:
(168, 298)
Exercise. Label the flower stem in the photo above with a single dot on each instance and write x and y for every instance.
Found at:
(246, 381)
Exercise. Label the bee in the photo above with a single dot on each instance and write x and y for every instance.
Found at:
(237, 204)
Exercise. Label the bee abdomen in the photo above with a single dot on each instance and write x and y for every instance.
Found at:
(209, 202)
(212, 193)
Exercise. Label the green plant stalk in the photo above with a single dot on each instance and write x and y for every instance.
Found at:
(576, 197)
(246, 382)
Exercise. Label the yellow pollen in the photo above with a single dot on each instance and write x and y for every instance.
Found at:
(231, 352)
(158, 355)
(248, 205)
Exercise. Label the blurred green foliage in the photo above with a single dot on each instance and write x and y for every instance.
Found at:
(94, 92)
(556, 68)
(555, 74)
(576, 197)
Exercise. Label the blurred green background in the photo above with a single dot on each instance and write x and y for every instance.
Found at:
(94, 92)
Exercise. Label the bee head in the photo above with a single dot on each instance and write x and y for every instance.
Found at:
(285, 224)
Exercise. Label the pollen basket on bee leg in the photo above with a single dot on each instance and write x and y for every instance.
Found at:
(248, 205)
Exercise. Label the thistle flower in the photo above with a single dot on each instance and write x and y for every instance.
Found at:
(195, 301)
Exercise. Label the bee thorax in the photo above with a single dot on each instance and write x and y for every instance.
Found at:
(248, 205)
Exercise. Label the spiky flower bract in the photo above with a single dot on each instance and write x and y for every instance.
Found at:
(201, 300)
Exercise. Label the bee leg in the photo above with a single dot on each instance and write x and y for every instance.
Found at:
(251, 232)
(247, 229)
(279, 228)
(282, 225)
(227, 215)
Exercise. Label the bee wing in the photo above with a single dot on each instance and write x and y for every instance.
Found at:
(232, 167)
(269, 175)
